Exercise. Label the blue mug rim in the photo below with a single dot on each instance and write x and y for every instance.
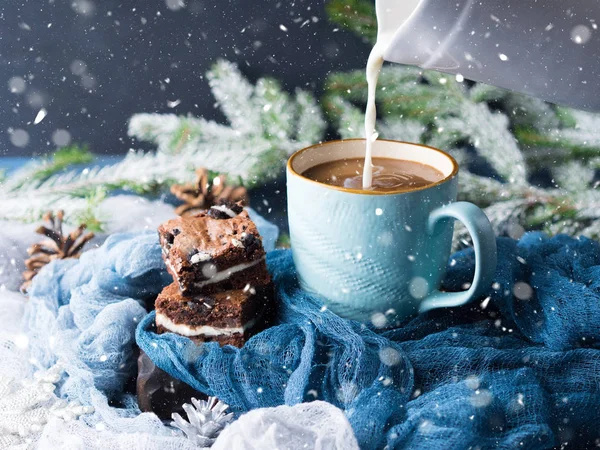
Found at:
(362, 192)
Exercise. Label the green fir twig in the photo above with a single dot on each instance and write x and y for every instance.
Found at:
(357, 16)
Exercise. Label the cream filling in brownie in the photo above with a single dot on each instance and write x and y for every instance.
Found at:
(203, 330)
(170, 266)
(224, 274)
(224, 209)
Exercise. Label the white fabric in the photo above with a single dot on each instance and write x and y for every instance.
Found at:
(28, 402)
(26, 405)
(317, 425)
(76, 435)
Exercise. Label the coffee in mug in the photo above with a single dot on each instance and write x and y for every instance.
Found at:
(388, 174)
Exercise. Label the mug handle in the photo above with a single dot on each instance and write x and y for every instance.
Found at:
(484, 243)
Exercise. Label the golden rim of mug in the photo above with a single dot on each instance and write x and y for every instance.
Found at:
(360, 191)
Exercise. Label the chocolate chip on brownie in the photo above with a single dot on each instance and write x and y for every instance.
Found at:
(218, 214)
(250, 242)
(225, 210)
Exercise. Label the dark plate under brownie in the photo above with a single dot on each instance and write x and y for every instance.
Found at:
(159, 392)
(220, 249)
(229, 317)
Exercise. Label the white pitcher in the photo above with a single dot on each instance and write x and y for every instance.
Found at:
(549, 49)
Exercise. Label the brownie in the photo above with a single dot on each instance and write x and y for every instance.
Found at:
(216, 250)
(229, 317)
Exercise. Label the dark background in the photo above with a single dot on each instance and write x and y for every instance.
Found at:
(93, 63)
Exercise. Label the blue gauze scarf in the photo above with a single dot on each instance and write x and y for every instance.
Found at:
(515, 371)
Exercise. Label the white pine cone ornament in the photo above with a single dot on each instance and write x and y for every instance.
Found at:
(206, 420)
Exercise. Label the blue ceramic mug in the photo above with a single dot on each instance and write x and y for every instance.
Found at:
(380, 257)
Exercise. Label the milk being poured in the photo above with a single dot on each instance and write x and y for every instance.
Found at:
(388, 13)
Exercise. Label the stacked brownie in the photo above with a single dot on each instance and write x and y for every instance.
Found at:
(222, 289)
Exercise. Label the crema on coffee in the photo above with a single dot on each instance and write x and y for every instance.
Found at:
(388, 174)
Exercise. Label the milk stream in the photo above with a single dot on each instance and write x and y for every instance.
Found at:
(390, 15)
(374, 66)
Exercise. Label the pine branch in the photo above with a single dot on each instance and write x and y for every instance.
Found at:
(276, 111)
(357, 16)
(216, 147)
(557, 145)
(311, 124)
(40, 170)
(77, 192)
(503, 215)
(525, 111)
(489, 133)
(486, 93)
(266, 125)
(89, 215)
(234, 95)
(348, 119)
(402, 130)
(402, 91)
(573, 135)
(350, 123)
(442, 106)
(574, 176)
(29, 207)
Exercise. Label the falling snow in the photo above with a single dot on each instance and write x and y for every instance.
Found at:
(19, 138)
(61, 138)
(40, 116)
(481, 398)
(581, 34)
(484, 304)
(175, 5)
(522, 290)
(389, 356)
(379, 320)
(78, 67)
(16, 85)
(418, 287)
(21, 341)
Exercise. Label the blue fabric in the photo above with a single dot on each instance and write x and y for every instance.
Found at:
(83, 314)
(514, 371)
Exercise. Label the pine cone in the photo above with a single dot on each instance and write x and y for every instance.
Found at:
(58, 246)
(206, 420)
(206, 193)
